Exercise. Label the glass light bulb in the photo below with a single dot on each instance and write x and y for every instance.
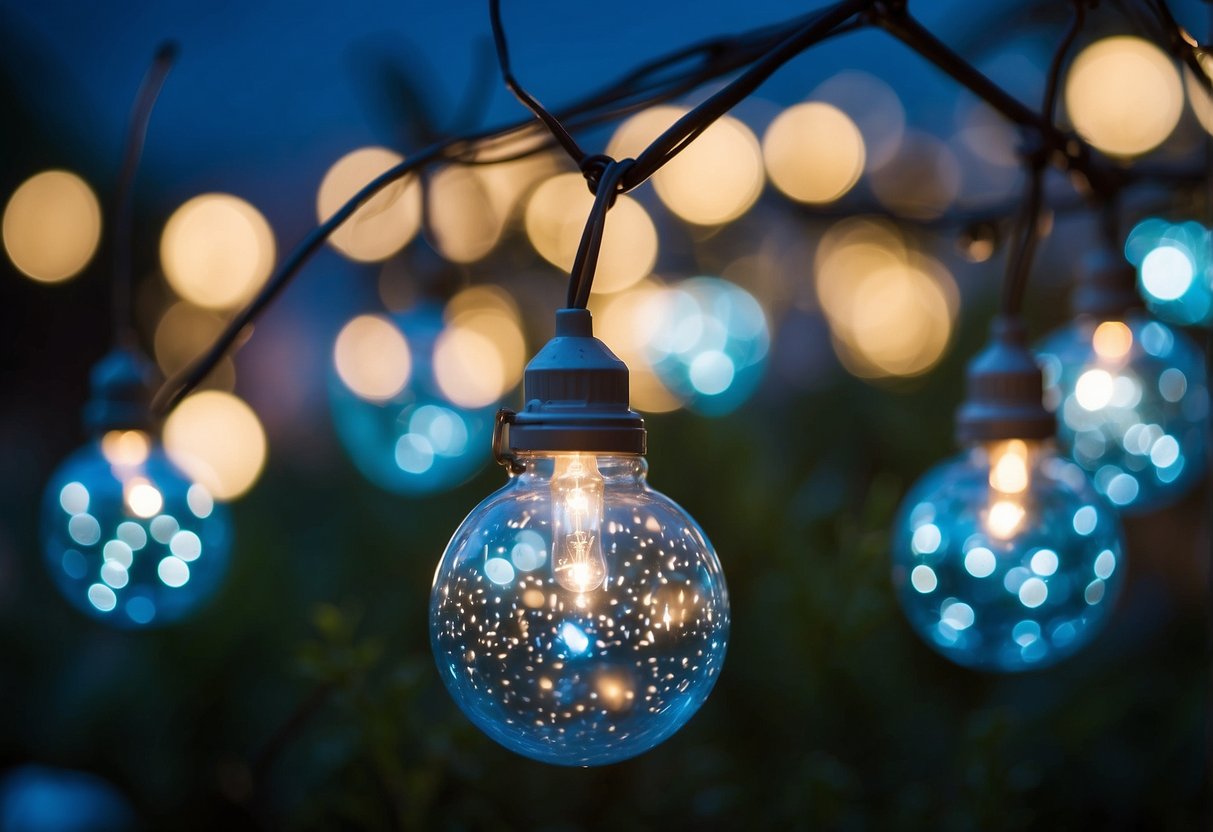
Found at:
(1132, 406)
(1005, 558)
(579, 617)
(129, 538)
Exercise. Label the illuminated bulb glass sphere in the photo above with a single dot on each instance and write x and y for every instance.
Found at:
(1005, 558)
(128, 537)
(579, 617)
(1131, 404)
(398, 425)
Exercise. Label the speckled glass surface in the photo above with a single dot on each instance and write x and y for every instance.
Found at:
(1132, 407)
(579, 677)
(129, 538)
(1007, 580)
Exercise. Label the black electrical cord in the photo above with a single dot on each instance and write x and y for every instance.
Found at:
(122, 242)
(762, 50)
(1019, 262)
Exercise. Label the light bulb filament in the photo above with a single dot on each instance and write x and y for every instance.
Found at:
(577, 493)
(1009, 480)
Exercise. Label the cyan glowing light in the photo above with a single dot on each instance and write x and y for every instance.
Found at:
(1132, 407)
(416, 441)
(113, 561)
(576, 676)
(1006, 602)
(1175, 269)
(710, 348)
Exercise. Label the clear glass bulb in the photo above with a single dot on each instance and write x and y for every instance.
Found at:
(129, 538)
(1132, 406)
(1005, 558)
(579, 617)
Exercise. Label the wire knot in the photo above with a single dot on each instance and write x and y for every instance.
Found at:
(600, 167)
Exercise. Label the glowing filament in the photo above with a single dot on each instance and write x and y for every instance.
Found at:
(1009, 467)
(1112, 340)
(1009, 479)
(578, 563)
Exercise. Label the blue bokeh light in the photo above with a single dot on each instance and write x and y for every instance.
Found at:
(579, 678)
(711, 346)
(43, 799)
(1175, 269)
(1132, 407)
(417, 441)
(1006, 583)
(128, 537)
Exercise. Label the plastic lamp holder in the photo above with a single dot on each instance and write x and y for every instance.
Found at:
(1005, 390)
(576, 394)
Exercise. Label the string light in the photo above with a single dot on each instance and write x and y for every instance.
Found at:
(1124, 95)
(1129, 392)
(51, 226)
(129, 537)
(216, 250)
(578, 617)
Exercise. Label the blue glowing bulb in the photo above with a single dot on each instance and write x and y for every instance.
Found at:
(709, 345)
(1175, 269)
(1132, 406)
(1005, 558)
(129, 538)
(579, 617)
(409, 437)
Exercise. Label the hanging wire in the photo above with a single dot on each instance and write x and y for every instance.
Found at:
(1019, 262)
(503, 59)
(762, 50)
(581, 278)
(122, 241)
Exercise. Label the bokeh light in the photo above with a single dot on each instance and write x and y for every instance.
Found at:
(387, 222)
(814, 152)
(714, 180)
(556, 216)
(1175, 269)
(51, 226)
(1198, 95)
(216, 251)
(421, 440)
(708, 343)
(464, 222)
(185, 332)
(218, 440)
(372, 358)
(873, 106)
(1132, 407)
(1124, 95)
(628, 323)
(922, 180)
(130, 538)
(891, 310)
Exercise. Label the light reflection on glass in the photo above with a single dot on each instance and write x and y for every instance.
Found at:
(994, 594)
(1132, 406)
(590, 674)
(118, 527)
